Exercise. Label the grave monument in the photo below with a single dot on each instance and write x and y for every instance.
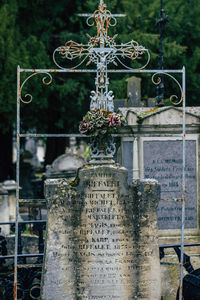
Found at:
(156, 152)
(101, 238)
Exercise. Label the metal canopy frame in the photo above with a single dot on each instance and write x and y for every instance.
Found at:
(20, 135)
(132, 51)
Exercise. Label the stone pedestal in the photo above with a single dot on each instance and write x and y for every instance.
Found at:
(101, 237)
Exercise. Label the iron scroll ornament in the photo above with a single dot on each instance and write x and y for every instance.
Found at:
(101, 50)
(43, 81)
(101, 46)
(159, 80)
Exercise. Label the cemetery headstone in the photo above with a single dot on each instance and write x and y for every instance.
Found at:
(65, 166)
(31, 146)
(134, 91)
(160, 157)
(163, 161)
(102, 237)
(10, 186)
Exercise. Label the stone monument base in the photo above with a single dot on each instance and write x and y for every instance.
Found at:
(102, 240)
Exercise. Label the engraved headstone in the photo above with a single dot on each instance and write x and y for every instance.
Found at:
(163, 161)
(101, 237)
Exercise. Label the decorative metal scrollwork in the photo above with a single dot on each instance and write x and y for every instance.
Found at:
(172, 97)
(101, 50)
(102, 149)
(44, 81)
(103, 19)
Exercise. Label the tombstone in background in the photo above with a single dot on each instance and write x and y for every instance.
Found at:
(31, 146)
(160, 157)
(134, 91)
(163, 161)
(102, 237)
(4, 210)
(26, 176)
(157, 153)
(65, 166)
(10, 186)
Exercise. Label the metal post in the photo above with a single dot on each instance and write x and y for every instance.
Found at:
(163, 19)
(183, 191)
(17, 181)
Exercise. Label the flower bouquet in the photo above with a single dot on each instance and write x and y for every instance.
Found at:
(101, 123)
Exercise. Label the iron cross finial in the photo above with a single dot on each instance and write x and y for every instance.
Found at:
(101, 50)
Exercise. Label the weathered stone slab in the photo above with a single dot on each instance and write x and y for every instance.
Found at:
(102, 243)
(64, 166)
(58, 269)
(163, 161)
(127, 158)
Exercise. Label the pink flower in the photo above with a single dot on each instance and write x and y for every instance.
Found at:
(114, 121)
(84, 127)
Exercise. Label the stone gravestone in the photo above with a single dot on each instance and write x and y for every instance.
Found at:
(163, 161)
(10, 186)
(101, 237)
(134, 91)
(65, 166)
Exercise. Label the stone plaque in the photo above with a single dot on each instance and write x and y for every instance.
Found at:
(127, 158)
(163, 161)
(102, 242)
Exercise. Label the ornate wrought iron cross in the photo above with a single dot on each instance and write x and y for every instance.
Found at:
(101, 50)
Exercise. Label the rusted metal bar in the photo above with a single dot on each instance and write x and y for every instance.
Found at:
(183, 191)
(32, 201)
(17, 181)
(172, 199)
(94, 71)
(23, 222)
(179, 245)
(51, 135)
(91, 15)
(38, 135)
(29, 266)
(21, 255)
